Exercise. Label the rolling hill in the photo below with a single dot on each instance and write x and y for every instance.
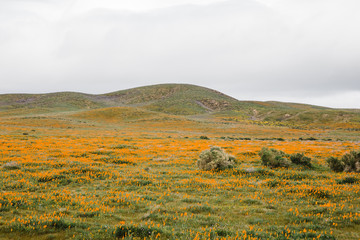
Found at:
(172, 99)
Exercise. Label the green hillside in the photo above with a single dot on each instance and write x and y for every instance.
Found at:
(174, 99)
(59, 101)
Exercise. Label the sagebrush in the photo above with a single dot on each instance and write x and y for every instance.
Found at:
(215, 158)
(273, 158)
(349, 162)
(300, 159)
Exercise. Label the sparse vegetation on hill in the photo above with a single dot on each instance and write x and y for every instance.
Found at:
(117, 114)
(186, 100)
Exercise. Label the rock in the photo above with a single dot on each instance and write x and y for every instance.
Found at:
(62, 210)
(11, 165)
(250, 170)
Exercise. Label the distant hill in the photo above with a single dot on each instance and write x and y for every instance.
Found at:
(172, 99)
(179, 99)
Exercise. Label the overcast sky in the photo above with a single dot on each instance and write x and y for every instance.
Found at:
(289, 50)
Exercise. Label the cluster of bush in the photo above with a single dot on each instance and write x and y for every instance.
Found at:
(216, 158)
(349, 162)
(275, 158)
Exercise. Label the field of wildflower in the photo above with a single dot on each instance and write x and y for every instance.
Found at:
(65, 178)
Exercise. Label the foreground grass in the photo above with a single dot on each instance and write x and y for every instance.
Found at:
(80, 180)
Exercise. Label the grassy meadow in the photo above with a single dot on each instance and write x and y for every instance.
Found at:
(131, 173)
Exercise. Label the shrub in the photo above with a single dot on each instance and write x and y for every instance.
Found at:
(273, 158)
(133, 231)
(300, 159)
(204, 137)
(215, 158)
(347, 180)
(349, 162)
(223, 233)
(335, 164)
(273, 183)
(123, 146)
(249, 201)
(199, 209)
(88, 214)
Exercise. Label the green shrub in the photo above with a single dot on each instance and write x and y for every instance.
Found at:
(249, 201)
(141, 232)
(204, 137)
(223, 233)
(273, 183)
(199, 209)
(349, 162)
(256, 221)
(300, 159)
(88, 214)
(215, 158)
(347, 180)
(124, 146)
(335, 164)
(49, 178)
(273, 158)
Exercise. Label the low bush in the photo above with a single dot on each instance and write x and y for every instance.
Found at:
(88, 214)
(335, 164)
(347, 180)
(223, 233)
(199, 209)
(134, 231)
(349, 162)
(300, 159)
(273, 158)
(215, 158)
(204, 137)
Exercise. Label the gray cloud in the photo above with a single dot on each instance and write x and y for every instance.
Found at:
(288, 50)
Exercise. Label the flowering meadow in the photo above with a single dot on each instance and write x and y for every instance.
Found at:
(74, 178)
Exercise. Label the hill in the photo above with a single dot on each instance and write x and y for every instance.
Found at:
(174, 99)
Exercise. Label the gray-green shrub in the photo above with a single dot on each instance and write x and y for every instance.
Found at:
(349, 162)
(300, 159)
(335, 164)
(273, 158)
(215, 158)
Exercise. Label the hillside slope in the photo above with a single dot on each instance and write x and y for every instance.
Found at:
(181, 99)
(175, 99)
